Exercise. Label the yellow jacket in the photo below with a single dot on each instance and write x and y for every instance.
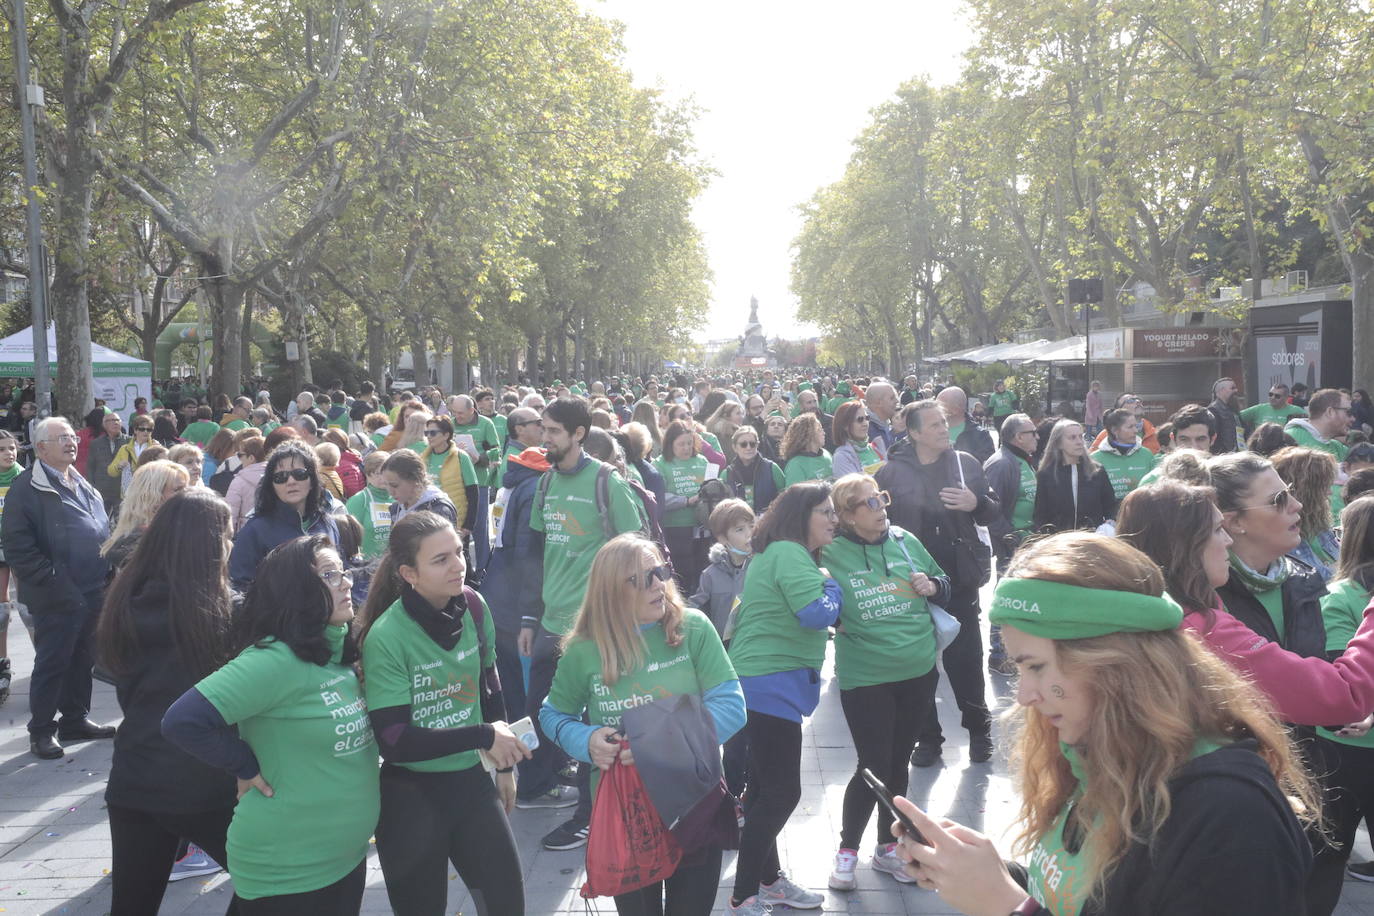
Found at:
(456, 474)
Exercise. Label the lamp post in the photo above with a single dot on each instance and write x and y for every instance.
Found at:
(1086, 291)
(31, 97)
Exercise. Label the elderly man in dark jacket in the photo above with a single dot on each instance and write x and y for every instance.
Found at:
(52, 529)
(965, 434)
(940, 495)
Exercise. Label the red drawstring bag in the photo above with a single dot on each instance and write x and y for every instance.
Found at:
(628, 847)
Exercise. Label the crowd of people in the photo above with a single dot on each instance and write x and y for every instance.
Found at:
(405, 615)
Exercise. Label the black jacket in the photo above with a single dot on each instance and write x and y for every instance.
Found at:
(147, 772)
(1054, 508)
(1304, 632)
(975, 440)
(1227, 421)
(1231, 847)
(950, 536)
(34, 524)
(514, 581)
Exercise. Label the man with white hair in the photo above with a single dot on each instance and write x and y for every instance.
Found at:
(52, 529)
(964, 434)
(881, 399)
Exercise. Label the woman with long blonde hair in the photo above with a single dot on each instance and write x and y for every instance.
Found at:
(634, 640)
(1071, 489)
(1153, 778)
(150, 487)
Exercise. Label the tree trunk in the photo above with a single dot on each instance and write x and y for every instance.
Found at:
(532, 360)
(376, 351)
(419, 352)
(226, 301)
(1247, 198)
(69, 305)
(303, 336)
(246, 353)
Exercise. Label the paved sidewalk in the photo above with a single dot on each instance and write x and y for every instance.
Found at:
(55, 845)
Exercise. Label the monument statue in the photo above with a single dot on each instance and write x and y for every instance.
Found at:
(753, 349)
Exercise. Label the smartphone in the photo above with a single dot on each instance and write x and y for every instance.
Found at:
(885, 797)
(524, 730)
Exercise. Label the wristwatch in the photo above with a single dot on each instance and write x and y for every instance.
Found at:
(1028, 907)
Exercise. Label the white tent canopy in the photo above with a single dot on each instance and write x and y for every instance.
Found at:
(119, 378)
(987, 354)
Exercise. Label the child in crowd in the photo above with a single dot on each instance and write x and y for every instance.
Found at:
(732, 525)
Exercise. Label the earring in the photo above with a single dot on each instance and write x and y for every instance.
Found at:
(1240, 531)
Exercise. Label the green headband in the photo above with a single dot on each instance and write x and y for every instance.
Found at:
(1057, 611)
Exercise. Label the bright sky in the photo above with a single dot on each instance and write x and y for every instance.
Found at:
(785, 87)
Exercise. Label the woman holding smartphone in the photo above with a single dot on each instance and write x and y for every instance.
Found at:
(1153, 778)
(429, 663)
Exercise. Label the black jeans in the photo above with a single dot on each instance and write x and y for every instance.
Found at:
(63, 656)
(883, 720)
(773, 793)
(689, 891)
(963, 662)
(342, 898)
(512, 674)
(431, 819)
(539, 774)
(1346, 774)
(144, 845)
(689, 556)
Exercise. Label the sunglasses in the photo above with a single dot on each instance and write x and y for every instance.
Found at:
(432, 432)
(646, 580)
(293, 474)
(747, 443)
(143, 429)
(1278, 501)
(1276, 394)
(881, 500)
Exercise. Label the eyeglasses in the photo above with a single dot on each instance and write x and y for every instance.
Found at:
(878, 501)
(62, 438)
(646, 579)
(1278, 501)
(336, 577)
(432, 432)
(828, 511)
(747, 443)
(293, 474)
(143, 429)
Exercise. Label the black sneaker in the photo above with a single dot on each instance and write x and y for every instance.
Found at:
(980, 748)
(567, 773)
(5, 677)
(925, 755)
(570, 835)
(1362, 872)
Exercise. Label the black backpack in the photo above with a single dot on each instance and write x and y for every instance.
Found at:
(220, 480)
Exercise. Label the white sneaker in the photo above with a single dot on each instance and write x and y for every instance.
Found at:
(784, 891)
(885, 859)
(842, 875)
(752, 906)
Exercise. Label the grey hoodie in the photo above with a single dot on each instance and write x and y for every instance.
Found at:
(721, 583)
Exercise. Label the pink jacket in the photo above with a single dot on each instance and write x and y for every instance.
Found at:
(243, 492)
(1305, 691)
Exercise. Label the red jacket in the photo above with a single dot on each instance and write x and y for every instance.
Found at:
(351, 472)
(1304, 691)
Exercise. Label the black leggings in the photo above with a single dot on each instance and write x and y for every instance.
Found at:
(963, 662)
(773, 793)
(1348, 789)
(883, 720)
(689, 891)
(144, 845)
(431, 819)
(342, 898)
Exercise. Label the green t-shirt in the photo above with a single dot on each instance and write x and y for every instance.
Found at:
(1342, 613)
(403, 666)
(235, 425)
(201, 432)
(483, 434)
(868, 458)
(711, 440)
(1337, 503)
(511, 447)
(1154, 475)
(808, 467)
(778, 482)
(499, 421)
(269, 426)
(1265, 413)
(955, 432)
(1307, 439)
(698, 664)
(372, 508)
(1124, 471)
(885, 633)
(6, 479)
(1002, 403)
(1023, 510)
(682, 478)
(435, 463)
(768, 637)
(573, 534)
(307, 724)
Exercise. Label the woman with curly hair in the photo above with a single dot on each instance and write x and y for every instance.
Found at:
(1310, 474)
(1153, 778)
(803, 451)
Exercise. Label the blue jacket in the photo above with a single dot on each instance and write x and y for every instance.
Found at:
(260, 533)
(37, 528)
(514, 582)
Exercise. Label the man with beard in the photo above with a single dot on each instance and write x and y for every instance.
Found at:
(1225, 407)
(566, 512)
